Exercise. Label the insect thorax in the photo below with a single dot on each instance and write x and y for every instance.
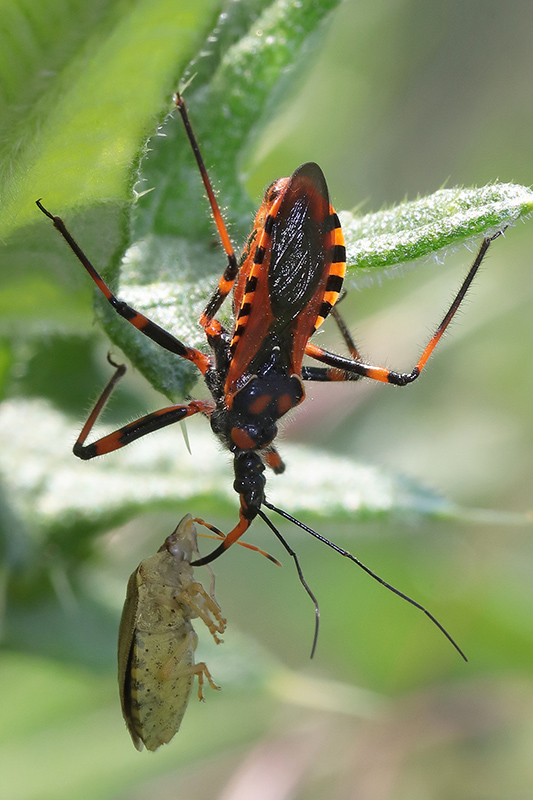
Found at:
(250, 422)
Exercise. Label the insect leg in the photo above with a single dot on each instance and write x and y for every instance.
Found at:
(138, 320)
(227, 280)
(174, 668)
(205, 608)
(272, 459)
(134, 430)
(236, 533)
(201, 671)
(383, 374)
(328, 374)
(343, 328)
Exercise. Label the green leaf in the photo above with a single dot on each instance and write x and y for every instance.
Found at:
(72, 126)
(419, 228)
(170, 267)
(65, 71)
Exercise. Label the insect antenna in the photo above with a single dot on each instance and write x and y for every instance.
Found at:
(304, 583)
(342, 552)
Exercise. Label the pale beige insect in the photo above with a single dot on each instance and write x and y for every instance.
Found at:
(157, 641)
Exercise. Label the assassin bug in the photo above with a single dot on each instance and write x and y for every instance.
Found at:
(285, 284)
(157, 641)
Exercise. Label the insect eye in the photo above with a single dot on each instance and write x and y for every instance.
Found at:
(179, 550)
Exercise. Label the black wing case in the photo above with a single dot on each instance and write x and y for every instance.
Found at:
(298, 246)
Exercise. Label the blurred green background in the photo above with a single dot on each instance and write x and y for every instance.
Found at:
(398, 99)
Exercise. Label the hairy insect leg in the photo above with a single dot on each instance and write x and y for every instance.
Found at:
(272, 459)
(227, 280)
(135, 318)
(134, 430)
(345, 333)
(346, 369)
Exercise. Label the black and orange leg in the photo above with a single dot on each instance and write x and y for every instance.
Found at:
(346, 369)
(330, 374)
(272, 459)
(134, 430)
(227, 280)
(138, 320)
(343, 328)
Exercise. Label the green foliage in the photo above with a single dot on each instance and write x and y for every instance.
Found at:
(418, 228)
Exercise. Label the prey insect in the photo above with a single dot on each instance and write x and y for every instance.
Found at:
(285, 284)
(156, 643)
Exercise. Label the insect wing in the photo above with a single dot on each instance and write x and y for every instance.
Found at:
(283, 296)
(297, 250)
(126, 644)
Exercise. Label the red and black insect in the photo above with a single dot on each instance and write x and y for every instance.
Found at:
(285, 284)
